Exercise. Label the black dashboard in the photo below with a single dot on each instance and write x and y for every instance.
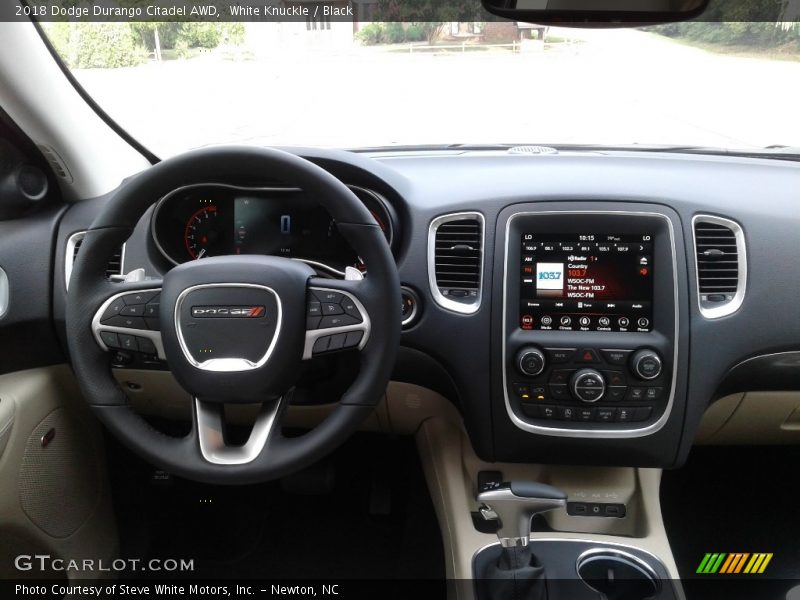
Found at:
(558, 303)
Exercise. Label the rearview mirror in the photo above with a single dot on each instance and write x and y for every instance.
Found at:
(565, 12)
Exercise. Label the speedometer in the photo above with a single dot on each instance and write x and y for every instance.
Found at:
(202, 234)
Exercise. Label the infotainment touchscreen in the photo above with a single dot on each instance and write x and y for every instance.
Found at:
(586, 282)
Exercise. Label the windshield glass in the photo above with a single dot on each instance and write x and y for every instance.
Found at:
(179, 86)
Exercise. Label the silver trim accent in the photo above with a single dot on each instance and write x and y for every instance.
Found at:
(717, 310)
(312, 335)
(226, 364)
(515, 513)
(459, 307)
(4, 293)
(582, 541)
(97, 326)
(375, 195)
(69, 256)
(623, 556)
(210, 428)
(415, 310)
(593, 433)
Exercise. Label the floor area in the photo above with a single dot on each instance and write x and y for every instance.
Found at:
(363, 513)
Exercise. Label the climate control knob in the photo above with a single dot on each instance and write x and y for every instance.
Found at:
(588, 385)
(530, 361)
(646, 364)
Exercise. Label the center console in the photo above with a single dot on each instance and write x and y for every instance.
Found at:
(590, 326)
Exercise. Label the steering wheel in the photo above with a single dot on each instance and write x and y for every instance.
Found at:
(233, 329)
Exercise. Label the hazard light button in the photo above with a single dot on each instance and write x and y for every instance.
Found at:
(587, 356)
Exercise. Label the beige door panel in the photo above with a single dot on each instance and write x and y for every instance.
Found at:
(54, 493)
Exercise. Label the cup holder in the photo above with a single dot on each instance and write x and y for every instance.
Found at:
(617, 575)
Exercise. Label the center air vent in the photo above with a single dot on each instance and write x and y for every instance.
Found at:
(721, 265)
(455, 261)
(114, 268)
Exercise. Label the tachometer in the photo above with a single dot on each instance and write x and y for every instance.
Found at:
(202, 234)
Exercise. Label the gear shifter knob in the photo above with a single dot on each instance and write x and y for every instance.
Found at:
(514, 504)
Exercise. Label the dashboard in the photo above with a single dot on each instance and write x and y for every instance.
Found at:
(216, 219)
(576, 307)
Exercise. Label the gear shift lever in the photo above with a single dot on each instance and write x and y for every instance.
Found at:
(514, 504)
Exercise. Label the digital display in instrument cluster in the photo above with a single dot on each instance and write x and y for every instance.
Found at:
(216, 220)
(586, 282)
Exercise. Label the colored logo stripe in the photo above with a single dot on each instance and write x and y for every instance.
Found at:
(734, 563)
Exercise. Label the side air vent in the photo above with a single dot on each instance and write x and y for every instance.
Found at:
(114, 268)
(455, 261)
(721, 263)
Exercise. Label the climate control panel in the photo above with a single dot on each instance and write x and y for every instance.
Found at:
(578, 386)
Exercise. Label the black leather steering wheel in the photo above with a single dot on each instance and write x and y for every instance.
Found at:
(234, 329)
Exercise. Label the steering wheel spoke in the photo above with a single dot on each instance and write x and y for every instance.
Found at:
(129, 319)
(336, 317)
(210, 430)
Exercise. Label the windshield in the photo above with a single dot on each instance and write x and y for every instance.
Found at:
(179, 86)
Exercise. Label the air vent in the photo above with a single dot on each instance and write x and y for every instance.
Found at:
(721, 265)
(115, 264)
(455, 261)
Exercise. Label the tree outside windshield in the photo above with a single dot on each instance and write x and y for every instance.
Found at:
(176, 86)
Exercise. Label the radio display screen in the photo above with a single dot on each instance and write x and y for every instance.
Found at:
(586, 282)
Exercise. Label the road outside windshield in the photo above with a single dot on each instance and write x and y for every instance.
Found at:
(363, 85)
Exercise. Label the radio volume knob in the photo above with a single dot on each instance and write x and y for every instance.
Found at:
(646, 364)
(588, 385)
(530, 361)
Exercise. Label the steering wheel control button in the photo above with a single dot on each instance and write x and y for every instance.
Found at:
(314, 309)
(530, 361)
(353, 339)
(151, 310)
(616, 358)
(337, 321)
(351, 309)
(110, 339)
(113, 310)
(588, 385)
(587, 356)
(559, 355)
(326, 296)
(322, 344)
(312, 323)
(337, 342)
(139, 297)
(136, 310)
(332, 309)
(126, 322)
(128, 342)
(646, 364)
